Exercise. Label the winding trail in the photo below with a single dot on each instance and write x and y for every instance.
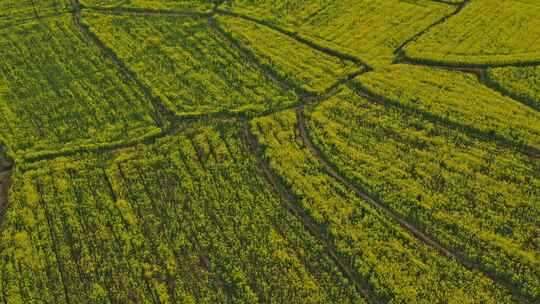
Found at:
(290, 203)
(5, 178)
(448, 3)
(418, 233)
(332, 171)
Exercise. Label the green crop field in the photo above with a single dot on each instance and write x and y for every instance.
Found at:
(485, 32)
(370, 30)
(164, 5)
(59, 90)
(436, 180)
(522, 83)
(188, 65)
(257, 151)
(458, 99)
(309, 69)
(17, 12)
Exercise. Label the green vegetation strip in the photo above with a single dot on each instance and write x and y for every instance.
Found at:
(150, 6)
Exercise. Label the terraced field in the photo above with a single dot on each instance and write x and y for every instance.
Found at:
(269, 151)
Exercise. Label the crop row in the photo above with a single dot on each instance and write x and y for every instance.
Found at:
(457, 99)
(58, 90)
(390, 260)
(14, 12)
(182, 5)
(186, 220)
(475, 196)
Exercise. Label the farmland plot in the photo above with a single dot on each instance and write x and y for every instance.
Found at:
(370, 30)
(14, 12)
(471, 194)
(256, 151)
(486, 32)
(523, 82)
(189, 219)
(58, 90)
(296, 62)
(185, 5)
(397, 266)
(459, 100)
(188, 65)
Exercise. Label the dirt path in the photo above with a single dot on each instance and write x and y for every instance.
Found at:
(290, 203)
(432, 242)
(5, 178)
(6, 169)
(332, 171)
